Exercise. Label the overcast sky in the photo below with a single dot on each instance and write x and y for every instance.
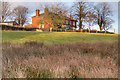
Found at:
(35, 4)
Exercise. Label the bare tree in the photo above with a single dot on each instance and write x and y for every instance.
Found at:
(54, 14)
(5, 11)
(0, 11)
(20, 15)
(90, 16)
(79, 11)
(104, 16)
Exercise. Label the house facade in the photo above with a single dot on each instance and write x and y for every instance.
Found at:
(9, 23)
(69, 22)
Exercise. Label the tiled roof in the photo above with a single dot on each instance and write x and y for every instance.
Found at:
(9, 22)
(67, 18)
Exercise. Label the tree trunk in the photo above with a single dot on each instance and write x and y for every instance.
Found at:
(2, 19)
(89, 24)
(80, 23)
(100, 27)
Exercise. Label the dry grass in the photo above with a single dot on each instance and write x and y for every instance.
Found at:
(70, 60)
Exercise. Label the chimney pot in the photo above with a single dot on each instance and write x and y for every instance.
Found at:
(60, 12)
(37, 12)
(45, 10)
(71, 17)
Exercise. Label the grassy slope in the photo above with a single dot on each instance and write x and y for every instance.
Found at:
(56, 37)
(38, 60)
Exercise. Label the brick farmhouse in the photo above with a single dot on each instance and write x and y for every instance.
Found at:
(69, 21)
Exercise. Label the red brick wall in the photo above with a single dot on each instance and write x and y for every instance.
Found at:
(35, 20)
(35, 23)
(68, 21)
(72, 23)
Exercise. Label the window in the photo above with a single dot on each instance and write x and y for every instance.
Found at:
(73, 23)
(70, 22)
(40, 26)
(66, 21)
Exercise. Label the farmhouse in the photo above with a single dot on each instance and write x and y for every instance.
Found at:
(9, 23)
(12, 25)
(69, 22)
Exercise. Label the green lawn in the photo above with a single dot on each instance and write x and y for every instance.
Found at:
(56, 37)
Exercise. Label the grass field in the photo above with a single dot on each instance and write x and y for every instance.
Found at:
(57, 37)
(78, 55)
(68, 60)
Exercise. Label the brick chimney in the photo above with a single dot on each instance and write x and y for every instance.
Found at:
(45, 10)
(37, 12)
(60, 12)
(71, 17)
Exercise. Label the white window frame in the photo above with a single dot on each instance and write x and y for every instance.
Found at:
(73, 23)
(40, 26)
